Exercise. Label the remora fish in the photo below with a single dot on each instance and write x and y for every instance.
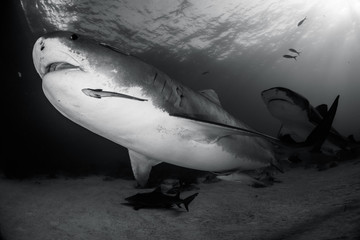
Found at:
(99, 93)
(289, 56)
(294, 51)
(175, 125)
(156, 199)
(298, 118)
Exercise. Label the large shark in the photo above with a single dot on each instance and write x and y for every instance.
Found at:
(133, 104)
(298, 118)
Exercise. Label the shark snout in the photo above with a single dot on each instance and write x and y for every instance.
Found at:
(38, 49)
(50, 54)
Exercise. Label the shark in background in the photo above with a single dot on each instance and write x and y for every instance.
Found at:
(135, 105)
(298, 119)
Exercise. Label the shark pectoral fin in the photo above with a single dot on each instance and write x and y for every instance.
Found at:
(141, 166)
(207, 131)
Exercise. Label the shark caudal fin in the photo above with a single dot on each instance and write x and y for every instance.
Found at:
(320, 133)
(188, 200)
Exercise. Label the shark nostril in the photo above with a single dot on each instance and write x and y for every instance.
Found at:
(41, 43)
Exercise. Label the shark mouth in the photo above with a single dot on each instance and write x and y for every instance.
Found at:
(279, 100)
(57, 66)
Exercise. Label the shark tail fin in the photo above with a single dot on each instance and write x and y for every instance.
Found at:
(188, 200)
(320, 133)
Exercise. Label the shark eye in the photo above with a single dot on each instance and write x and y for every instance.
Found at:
(74, 37)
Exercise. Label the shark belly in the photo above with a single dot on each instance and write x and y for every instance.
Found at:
(152, 132)
(172, 143)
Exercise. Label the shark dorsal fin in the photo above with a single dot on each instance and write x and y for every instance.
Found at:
(322, 109)
(211, 95)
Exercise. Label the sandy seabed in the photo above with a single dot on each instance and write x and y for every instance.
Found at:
(307, 204)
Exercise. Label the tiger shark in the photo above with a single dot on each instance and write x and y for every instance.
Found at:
(120, 97)
(298, 118)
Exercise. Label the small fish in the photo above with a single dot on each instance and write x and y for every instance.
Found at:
(301, 22)
(294, 51)
(156, 199)
(206, 72)
(99, 93)
(290, 56)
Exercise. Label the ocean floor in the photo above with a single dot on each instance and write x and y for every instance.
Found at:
(307, 204)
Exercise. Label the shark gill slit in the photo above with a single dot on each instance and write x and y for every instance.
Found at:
(155, 77)
(163, 86)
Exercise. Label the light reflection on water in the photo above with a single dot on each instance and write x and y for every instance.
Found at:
(241, 41)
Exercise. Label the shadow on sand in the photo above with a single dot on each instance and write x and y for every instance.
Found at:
(311, 224)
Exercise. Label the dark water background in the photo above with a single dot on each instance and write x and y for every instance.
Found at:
(239, 43)
(38, 140)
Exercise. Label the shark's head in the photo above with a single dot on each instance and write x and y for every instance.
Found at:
(70, 65)
(285, 104)
(68, 62)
